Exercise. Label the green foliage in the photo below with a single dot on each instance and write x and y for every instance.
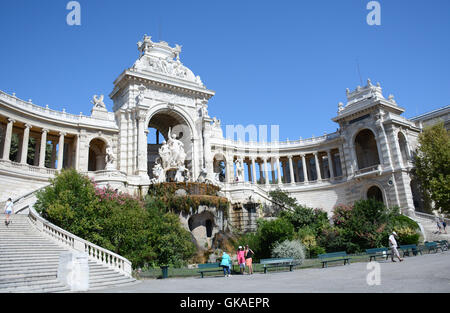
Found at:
(144, 234)
(197, 194)
(289, 249)
(432, 166)
(368, 224)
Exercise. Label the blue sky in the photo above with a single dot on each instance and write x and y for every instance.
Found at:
(284, 63)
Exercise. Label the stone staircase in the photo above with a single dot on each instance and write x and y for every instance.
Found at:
(431, 230)
(29, 261)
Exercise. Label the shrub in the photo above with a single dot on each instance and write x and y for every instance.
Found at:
(289, 249)
(272, 232)
(144, 234)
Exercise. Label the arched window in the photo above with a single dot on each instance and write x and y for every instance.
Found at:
(375, 193)
(366, 149)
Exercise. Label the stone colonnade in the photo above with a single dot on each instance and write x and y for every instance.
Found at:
(59, 158)
(288, 168)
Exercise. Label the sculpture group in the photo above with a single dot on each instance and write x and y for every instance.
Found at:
(171, 158)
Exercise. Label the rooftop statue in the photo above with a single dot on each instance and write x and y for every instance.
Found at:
(98, 102)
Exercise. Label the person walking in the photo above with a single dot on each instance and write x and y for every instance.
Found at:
(438, 224)
(226, 264)
(249, 259)
(444, 225)
(241, 259)
(393, 246)
(8, 211)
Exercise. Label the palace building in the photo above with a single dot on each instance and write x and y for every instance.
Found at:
(370, 155)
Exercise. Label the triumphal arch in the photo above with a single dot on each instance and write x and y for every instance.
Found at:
(159, 130)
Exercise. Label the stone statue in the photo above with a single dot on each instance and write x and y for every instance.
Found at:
(181, 175)
(158, 174)
(176, 148)
(164, 153)
(239, 170)
(109, 158)
(98, 102)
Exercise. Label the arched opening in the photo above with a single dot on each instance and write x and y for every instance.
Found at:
(209, 228)
(403, 148)
(97, 153)
(366, 149)
(159, 127)
(375, 193)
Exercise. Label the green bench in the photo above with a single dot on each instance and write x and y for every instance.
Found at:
(433, 246)
(209, 267)
(443, 244)
(378, 252)
(334, 257)
(406, 249)
(278, 262)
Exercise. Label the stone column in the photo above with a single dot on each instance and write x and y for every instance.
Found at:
(319, 175)
(330, 165)
(8, 136)
(305, 169)
(43, 148)
(61, 150)
(266, 171)
(291, 170)
(277, 159)
(25, 139)
(253, 170)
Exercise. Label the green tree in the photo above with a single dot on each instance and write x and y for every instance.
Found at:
(432, 165)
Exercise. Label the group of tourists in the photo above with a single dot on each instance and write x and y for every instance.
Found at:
(244, 259)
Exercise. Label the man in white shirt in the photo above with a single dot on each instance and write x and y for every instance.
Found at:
(393, 246)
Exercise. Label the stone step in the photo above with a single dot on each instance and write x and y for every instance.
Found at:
(12, 267)
(32, 278)
(29, 258)
(50, 285)
(102, 285)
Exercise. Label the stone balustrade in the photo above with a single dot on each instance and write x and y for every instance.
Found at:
(94, 252)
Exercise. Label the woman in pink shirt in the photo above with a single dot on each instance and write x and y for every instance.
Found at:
(241, 259)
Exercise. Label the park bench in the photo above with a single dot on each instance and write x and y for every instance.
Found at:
(209, 267)
(410, 248)
(443, 244)
(433, 246)
(378, 252)
(334, 257)
(278, 262)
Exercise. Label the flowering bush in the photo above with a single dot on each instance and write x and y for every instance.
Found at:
(115, 221)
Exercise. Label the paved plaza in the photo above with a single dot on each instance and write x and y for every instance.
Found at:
(427, 273)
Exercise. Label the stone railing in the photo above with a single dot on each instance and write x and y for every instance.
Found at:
(273, 145)
(27, 168)
(63, 116)
(94, 252)
(368, 170)
(430, 217)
